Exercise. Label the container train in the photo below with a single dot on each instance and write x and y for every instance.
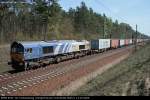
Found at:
(28, 55)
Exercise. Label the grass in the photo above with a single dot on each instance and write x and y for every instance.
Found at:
(4, 68)
(4, 58)
(126, 78)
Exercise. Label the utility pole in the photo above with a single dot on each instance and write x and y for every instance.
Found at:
(44, 33)
(104, 27)
(136, 38)
(110, 35)
(126, 34)
(132, 37)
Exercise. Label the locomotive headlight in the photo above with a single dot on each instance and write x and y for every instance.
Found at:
(21, 64)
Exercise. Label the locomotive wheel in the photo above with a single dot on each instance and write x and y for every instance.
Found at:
(57, 60)
(77, 57)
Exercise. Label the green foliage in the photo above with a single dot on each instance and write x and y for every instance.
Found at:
(45, 19)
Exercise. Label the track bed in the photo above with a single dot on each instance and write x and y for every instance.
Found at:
(44, 81)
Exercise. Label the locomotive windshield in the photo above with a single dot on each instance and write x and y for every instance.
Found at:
(17, 49)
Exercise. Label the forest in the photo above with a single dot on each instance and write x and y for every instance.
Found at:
(22, 20)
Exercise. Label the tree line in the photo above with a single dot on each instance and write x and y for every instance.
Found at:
(45, 19)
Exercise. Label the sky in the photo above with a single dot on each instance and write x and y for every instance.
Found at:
(129, 11)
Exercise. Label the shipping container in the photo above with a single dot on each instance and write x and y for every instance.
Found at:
(114, 43)
(100, 44)
(122, 42)
(138, 40)
(127, 41)
(130, 41)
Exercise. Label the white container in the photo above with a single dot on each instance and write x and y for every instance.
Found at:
(100, 44)
(130, 42)
(122, 42)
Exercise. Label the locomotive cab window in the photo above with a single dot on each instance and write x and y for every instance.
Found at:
(29, 50)
(48, 49)
(82, 47)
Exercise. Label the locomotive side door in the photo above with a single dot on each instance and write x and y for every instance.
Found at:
(32, 53)
(28, 53)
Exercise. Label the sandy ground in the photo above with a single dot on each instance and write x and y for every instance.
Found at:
(131, 77)
(75, 85)
(60, 82)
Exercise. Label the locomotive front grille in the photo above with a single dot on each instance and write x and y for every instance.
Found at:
(17, 57)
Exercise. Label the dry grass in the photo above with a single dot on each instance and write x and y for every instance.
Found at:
(129, 78)
(73, 86)
(4, 58)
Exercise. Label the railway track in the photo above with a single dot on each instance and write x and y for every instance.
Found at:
(10, 83)
(9, 76)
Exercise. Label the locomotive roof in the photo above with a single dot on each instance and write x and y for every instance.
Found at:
(46, 43)
(25, 43)
(41, 43)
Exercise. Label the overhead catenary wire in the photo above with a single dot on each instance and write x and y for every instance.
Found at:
(99, 2)
(109, 10)
(106, 7)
